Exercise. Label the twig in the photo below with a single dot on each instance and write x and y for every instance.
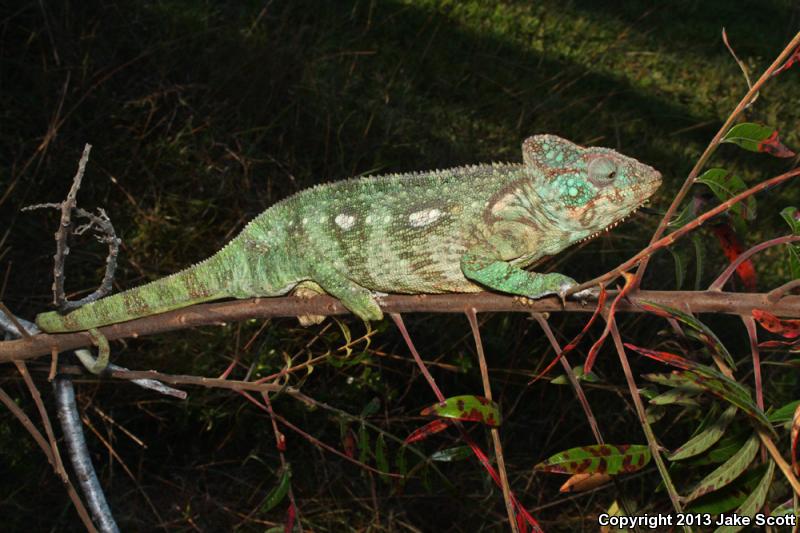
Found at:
(398, 320)
(79, 455)
(655, 448)
(777, 293)
(231, 311)
(498, 447)
(717, 284)
(712, 146)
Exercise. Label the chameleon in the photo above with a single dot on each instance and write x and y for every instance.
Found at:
(463, 230)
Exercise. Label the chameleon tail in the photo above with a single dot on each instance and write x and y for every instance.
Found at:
(203, 282)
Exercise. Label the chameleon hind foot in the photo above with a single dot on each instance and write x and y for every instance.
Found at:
(359, 300)
(308, 290)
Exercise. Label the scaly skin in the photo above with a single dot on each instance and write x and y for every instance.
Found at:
(457, 230)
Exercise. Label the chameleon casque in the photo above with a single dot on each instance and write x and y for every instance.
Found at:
(463, 229)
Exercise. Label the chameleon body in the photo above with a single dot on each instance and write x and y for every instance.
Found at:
(463, 229)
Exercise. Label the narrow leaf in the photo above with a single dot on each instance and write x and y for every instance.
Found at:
(450, 455)
(431, 428)
(728, 471)
(732, 248)
(677, 396)
(603, 458)
(584, 482)
(279, 491)
(468, 408)
(794, 433)
(754, 502)
(363, 444)
(380, 455)
(784, 413)
(725, 185)
(706, 438)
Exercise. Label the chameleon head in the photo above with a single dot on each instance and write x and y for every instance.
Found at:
(590, 189)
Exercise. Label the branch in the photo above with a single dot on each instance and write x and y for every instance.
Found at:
(712, 146)
(220, 313)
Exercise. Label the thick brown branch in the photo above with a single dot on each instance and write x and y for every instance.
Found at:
(220, 313)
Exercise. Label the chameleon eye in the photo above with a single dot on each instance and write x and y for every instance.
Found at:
(602, 170)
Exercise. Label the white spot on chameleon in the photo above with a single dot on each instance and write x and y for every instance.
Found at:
(345, 221)
(423, 218)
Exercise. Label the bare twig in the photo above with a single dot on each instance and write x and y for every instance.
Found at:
(655, 448)
(498, 447)
(398, 320)
(779, 292)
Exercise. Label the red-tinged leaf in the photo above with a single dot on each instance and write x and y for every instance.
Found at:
(664, 357)
(781, 344)
(595, 349)
(774, 147)
(732, 248)
(349, 443)
(703, 332)
(468, 408)
(788, 329)
(601, 302)
(794, 58)
(794, 437)
(291, 513)
(609, 459)
(757, 138)
(431, 428)
(584, 482)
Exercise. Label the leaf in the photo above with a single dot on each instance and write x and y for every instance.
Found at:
(363, 444)
(788, 329)
(794, 434)
(732, 248)
(469, 408)
(784, 413)
(757, 138)
(584, 482)
(380, 455)
(680, 268)
(603, 458)
(794, 58)
(595, 349)
(591, 377)
(671, 380)
(730, 497)
(449, 455)
(792, 217)
(705, 335)
(431, 428)
(665, 357)
(730, 391)
(728, 471)
(677, 396)
(754, 502)
(400, 461)
(371, 408)
(706, 438)
(725, 185)
(279, 491)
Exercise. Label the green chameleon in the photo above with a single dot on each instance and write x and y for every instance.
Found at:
(463, 229)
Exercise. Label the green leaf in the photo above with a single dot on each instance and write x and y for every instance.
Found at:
(598, 458)
(792, 217)
(725, 185)
(371, 408)
(279, 491)
(784, 413)
(380, 455)
(786, 508)
(728, 471)
(672, 380)
(678, 396)
(363, 444)
(449, 455)
(469, 408)
(706, 438)
(730, 497)
(591, 377)
(680, 268)
(757, 138)
(654, 413)
(730, 391)
(400, 461)
(754, 502)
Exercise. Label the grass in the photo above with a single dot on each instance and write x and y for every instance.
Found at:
(202, 114)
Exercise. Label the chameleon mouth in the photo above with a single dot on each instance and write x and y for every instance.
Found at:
(615, 223)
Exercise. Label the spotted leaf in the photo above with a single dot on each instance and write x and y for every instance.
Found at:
(431, 428)
(608, 459)
(727, 471)
(789, 329)
(468, 408)
(706, 438)
(754, 502)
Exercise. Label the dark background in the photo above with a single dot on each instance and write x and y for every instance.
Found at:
(201, 114)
